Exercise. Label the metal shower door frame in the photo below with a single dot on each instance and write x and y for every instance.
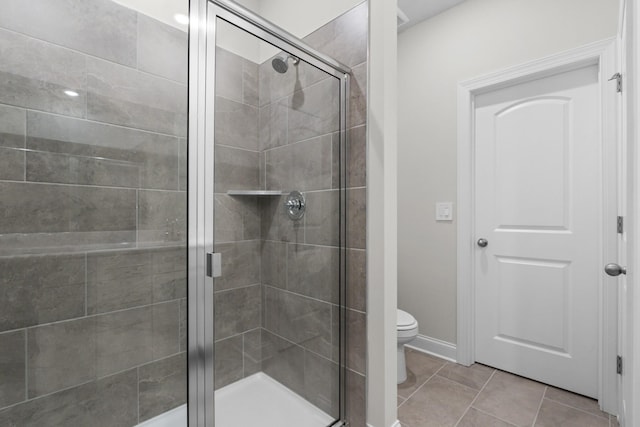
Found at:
(203, 16)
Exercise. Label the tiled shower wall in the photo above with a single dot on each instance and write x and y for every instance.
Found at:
(344, 39)
(276, 303)
(92, 196)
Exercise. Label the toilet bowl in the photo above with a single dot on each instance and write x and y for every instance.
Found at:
(407, 327)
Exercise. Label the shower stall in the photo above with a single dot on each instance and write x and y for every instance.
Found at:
(182, 236)
(267, 233)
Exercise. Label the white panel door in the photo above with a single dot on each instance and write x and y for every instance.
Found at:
(538, 204)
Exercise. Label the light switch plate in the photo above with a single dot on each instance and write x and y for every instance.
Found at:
(444, 211)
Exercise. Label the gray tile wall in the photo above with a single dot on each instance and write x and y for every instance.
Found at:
(92, 304)
(345, 39)
(92, 195)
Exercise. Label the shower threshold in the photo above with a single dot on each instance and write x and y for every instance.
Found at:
(258, 400)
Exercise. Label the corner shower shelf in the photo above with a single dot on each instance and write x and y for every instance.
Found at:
(256, 193)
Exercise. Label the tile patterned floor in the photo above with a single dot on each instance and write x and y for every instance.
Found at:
(439, 393)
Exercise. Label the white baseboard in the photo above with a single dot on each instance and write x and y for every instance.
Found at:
(435, 347)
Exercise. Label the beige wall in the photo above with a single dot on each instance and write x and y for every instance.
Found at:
(474, 38)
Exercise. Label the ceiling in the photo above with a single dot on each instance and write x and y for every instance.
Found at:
(410, 12)
(417, 11)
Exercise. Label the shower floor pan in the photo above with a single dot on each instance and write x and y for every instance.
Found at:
(257, 400)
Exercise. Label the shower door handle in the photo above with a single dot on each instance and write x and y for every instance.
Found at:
(214, 264)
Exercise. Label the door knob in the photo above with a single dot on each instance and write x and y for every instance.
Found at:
(483, 243)
(614, 270)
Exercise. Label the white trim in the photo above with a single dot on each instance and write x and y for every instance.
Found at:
(630, 318)
(382, 226)
(609, 248)
(633, 79)
(434, 347)
(602, 53)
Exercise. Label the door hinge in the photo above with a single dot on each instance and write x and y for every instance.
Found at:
(618, 78)
(620, 225)
(619, 365)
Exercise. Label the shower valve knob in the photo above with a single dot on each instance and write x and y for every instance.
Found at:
(295, 205)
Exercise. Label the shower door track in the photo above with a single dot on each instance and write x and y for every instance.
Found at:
(203, 15)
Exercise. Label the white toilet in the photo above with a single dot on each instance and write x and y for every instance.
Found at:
(407, 330)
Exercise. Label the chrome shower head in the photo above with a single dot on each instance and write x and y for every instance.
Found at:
(280, 63)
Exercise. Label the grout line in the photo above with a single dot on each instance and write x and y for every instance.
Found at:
(90, 250)
(286, 266)
(137, 217)
(476, 398)
(222, 291)
(24, 159)
(577, 409)
(84, 119)
(138, 392)
(493, 416)
(94, 186)
(422, 385)
(540, 405)
(240, 102)
(264, 168)
(224, 192)
(402, 403)
(179, 324)
(86, 85)
(310, 139)
(329, 359)
(93, 315)
(80, 156)
(234, 147)
(244, 372)
(242, 92)
(231, 242)
(89, 55)
(86, 284)
(179, 158)
(305, 244)
(237, 335)
(26, 365)
(301, 295)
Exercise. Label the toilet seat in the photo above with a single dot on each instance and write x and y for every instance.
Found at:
(405, 321)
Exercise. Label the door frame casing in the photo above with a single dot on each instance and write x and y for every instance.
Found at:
(603, 54)
(630, 318)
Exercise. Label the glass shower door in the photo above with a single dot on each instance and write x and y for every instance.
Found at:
(277, 218)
